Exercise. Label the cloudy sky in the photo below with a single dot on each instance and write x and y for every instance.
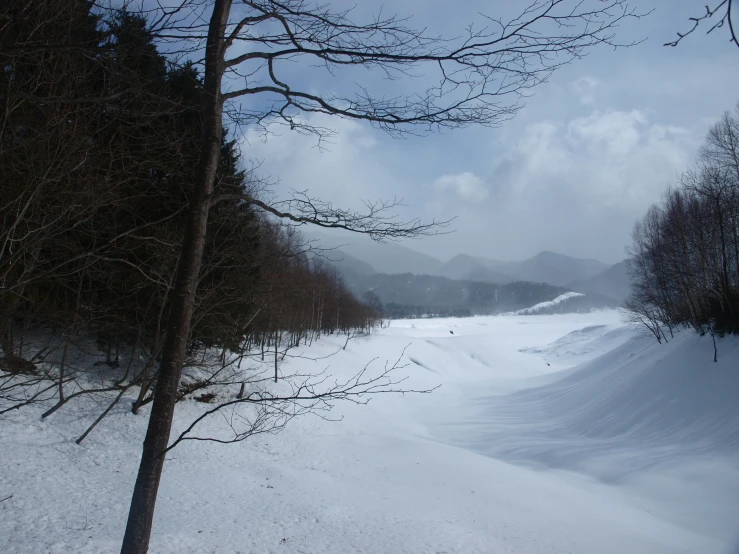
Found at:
(592, 149)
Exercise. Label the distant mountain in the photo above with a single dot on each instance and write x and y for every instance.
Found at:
(357, 257)
(557, 269)
(388, 257)
(613, 282)
(545, 267)
(413, 295)
(348, 264)
(473, 269)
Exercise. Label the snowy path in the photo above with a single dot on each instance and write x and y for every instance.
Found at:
(549, 434)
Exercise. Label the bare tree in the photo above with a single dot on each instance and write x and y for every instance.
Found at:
(715, 16)
(82, 201)
(481, 81)
(685, 251)
(308, 394)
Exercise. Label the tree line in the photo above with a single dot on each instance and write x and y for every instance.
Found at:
(408, 295)
(684, 257)
(94, 202)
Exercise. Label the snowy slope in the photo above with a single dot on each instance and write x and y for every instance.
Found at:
(549, 434)
(544, 305)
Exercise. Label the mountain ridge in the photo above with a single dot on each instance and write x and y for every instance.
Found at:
(544, 267)
(386, 257)
(614, 282)
(357, 258)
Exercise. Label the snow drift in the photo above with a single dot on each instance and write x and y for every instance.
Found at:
(659, 420)
(657, 402)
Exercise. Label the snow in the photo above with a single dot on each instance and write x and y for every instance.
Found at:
(549, 434)
(548, 304)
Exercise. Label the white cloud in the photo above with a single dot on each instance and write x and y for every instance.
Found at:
(592, 149)
(613, 134)
(574, 185)
(468, 186)
(586, 88)
(345, 169)
(607, 158)
(578, 186)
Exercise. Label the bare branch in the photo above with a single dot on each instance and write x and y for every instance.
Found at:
(308, 396)
(724, 16)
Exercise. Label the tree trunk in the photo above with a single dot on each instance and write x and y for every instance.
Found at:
(144, 378)
(8, 341)
(276, 355)
(141, 513)
(61, 370)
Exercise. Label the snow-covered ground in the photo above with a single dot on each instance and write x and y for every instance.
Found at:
(549, 434)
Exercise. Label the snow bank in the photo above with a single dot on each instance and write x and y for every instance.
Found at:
(582, 345)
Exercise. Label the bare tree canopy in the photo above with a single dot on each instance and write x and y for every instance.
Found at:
(477, 78)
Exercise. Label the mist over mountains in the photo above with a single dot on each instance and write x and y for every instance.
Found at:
(410, 284)
(613, 282)
(545, 267)
(387, 257)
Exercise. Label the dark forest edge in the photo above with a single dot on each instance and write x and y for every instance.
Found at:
(684, 259)
(93, 205)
